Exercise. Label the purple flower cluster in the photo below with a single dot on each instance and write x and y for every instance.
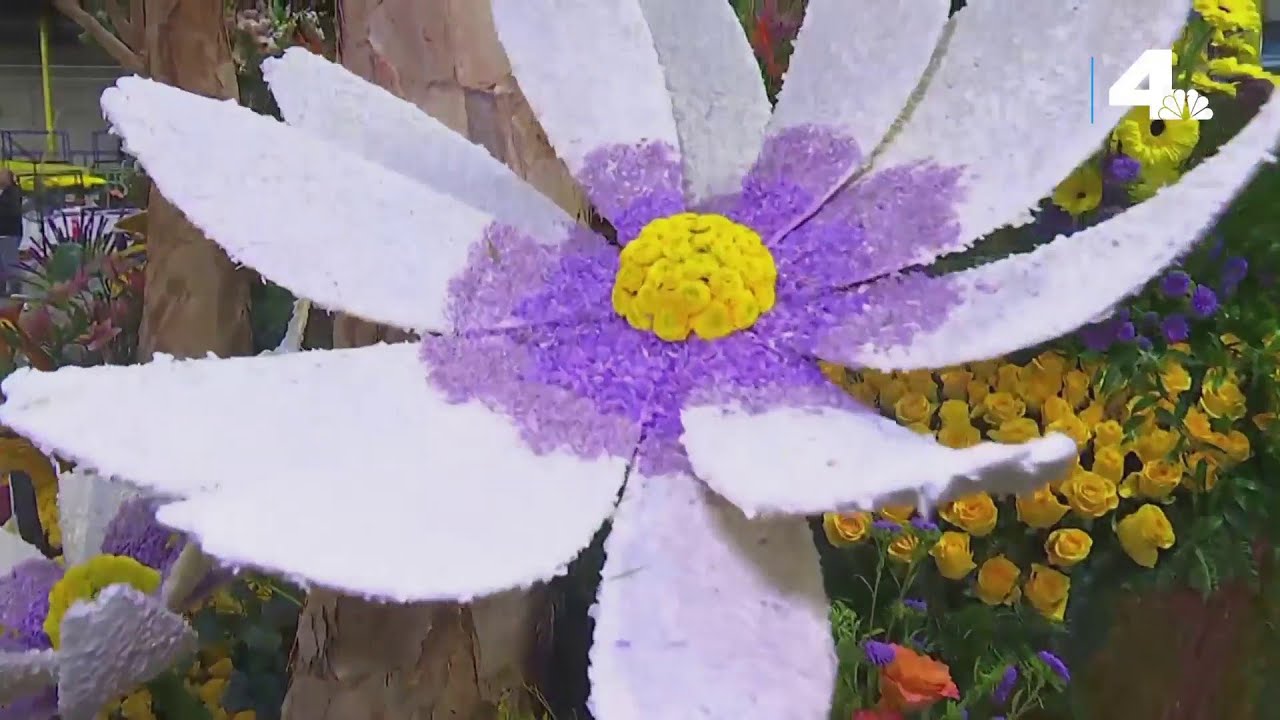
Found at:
(924, 524)
(1055, 665)
(1120, 169)
(878, 653)
(886, 526)
(1008, 681)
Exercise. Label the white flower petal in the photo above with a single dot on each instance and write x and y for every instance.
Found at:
(332, 103)
(112, 644)
(1027, 299)
(393, 492)
(703, 613)
(855, 65)
(718, 99)
(330, 226)
(1009, 102)
(15, 550)
(25, 673)
(87, 503)
(789, 460)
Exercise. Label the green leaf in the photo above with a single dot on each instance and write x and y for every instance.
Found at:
(170, 699)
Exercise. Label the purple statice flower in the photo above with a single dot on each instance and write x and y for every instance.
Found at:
(915, 605)
(878, 653)
(1121, 168)
(923, 523)
(1150, 319)
(1175, 284)
(1126, 332)
(1175, 329)
(1098, 337)
(1004, 689)
(1055, 665)
(134, 533)
(1204, 301)
(1234, 270)
(24, 604)
(886, 525)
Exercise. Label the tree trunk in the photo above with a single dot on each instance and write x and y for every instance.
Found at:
(355, 660)
(196, 299)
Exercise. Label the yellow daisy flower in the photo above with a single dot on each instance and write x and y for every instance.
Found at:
(1081, 191)
(1155, 142)
(1152, 179)
(1229, 14)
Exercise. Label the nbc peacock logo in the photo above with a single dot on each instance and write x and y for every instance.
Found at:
(1183, 105)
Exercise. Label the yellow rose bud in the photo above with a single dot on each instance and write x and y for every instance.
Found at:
(1071, 426)
(1036, 386)
(1235, 444)
(1055, 408)
(1198, 425)
(1159, 478)
(1264, 421)
(865, 392)
(211, 691)
(913, 408)
(1008, 377)
(875, 378)
(955, 383)
(1145, 532)
(1067, 546)
(954, 412)
(1193, 462)
(1090, 494)
(1041, 509)
(1155, 444)
(959, 435)
(952, 555)
(900, 514)
(846, 528)
(920, 428)
(1001, 407)
(978, 391)
(1051, 363)
(1093, 414)
(1223, 400)
(1075, 388)
(1108, 461)
(1047, 591)
(1108, 432)
(834, 373)
(1016, 431)
(998, 581)
(1175, 379)
(921, 381)
(903, 547)
(891, 391)
(984, 370)
(975, 514)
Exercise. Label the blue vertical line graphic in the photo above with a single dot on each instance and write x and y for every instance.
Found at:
(1092, 93)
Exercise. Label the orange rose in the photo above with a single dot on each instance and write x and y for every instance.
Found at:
(914, 681)
(877, 714)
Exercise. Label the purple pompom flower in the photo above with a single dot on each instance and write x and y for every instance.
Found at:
(1004, 689)
(1126, 332)
(923, 523)
(915, 605)
(1175, 328)
(1234, 270)
(886, 525)
(1121, 168)
(134, 533)
(1099, 336)
(1175, 284)
(1204, 301)
(878, 653)
(1055, 664)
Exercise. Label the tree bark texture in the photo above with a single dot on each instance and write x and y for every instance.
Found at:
(356, 660)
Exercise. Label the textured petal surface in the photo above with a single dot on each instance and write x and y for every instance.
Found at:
(1019, 69)
(790, 460)
(717, 96)
(1027, 299)
(703, 613)
(13, 550)
(590, 71)
(330, 226)
(854, 68)
(353, 433)
(114, 643)
(87, 503)
(331, 102)
(25, 673)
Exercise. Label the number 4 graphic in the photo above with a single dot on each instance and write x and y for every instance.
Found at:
(1156, 68)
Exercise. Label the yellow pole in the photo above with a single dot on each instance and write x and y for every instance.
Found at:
(46, 86)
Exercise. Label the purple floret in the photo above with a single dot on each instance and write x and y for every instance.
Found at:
(24, 604)
(878, 653)
(1055, 665)
(1175, 284)
(134, 533)
(1121, 168)
(1175, 328)
(1204, 301)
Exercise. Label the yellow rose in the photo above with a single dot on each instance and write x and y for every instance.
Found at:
(834, 373)
(1008, 377)
(1047, 591)
(1193, 462)
(1075, 388)
(1090, 494)
(903, 547)
(978, 391)
(984, 370)
(952, 555)
(1071, 426)
(1054, 408)
(900, 514)
(920, 428)
(955, 383)
(921, 381)
(875, 378)
(1041, 509)
(890, 391)
(1155, 443)
(1108, 461)
(1157, 480)
(1001, 407)
(975, 513)
(846, 528)
(1223, 400)
(998, 581)
(1093, 414)
(912, 408)
(1235, 444)
(959, 435)
(1143, 533)
(1108, 432)
(865, 392)
(1051, 363)
(1067, 546)
(1015, 431)
(1037, 385)
(1175, 378)
(1198, 425)
(954, 412)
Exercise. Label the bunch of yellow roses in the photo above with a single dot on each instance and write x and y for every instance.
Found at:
(1137, 456)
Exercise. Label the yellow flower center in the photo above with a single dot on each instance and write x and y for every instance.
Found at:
(694, 273)
(83, 582)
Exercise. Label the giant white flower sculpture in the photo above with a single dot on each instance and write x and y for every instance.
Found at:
(555, 368)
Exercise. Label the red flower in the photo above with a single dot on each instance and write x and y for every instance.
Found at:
(877, 714)
(914, 681)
